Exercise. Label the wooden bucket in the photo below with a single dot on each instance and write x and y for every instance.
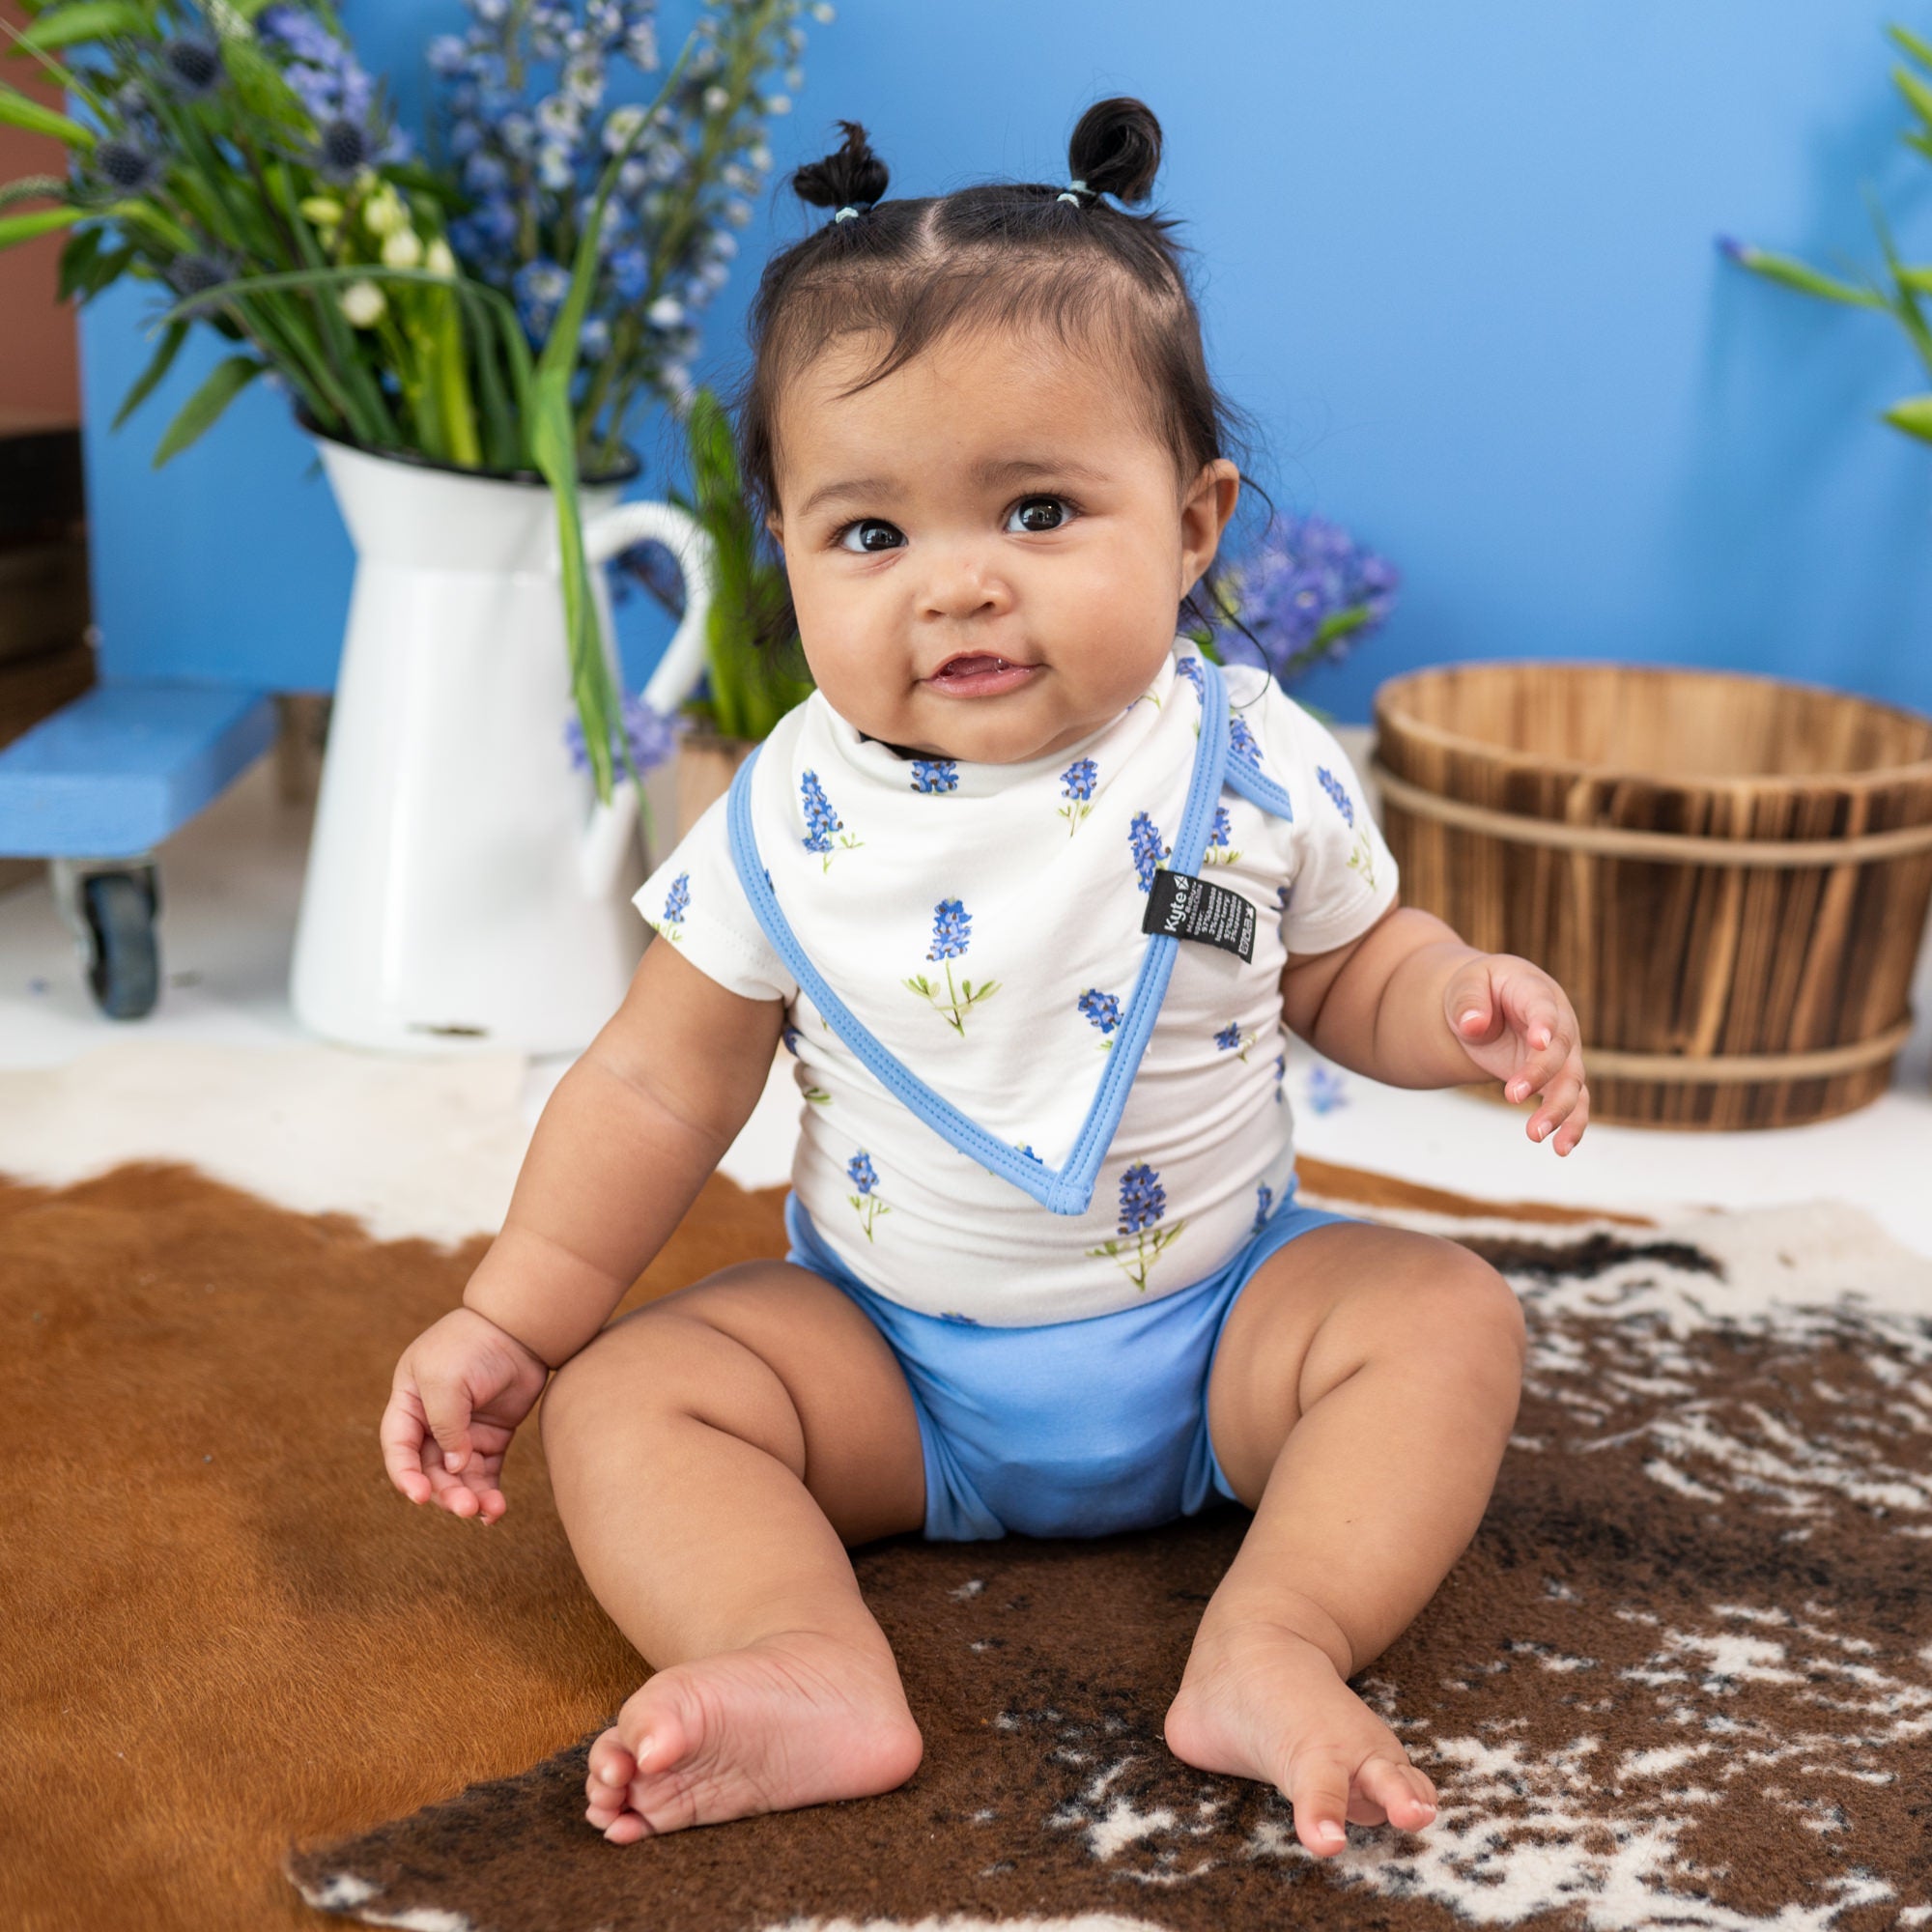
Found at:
(1728, 875)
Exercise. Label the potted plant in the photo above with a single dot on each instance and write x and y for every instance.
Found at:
(1907, 284)
(468, 394)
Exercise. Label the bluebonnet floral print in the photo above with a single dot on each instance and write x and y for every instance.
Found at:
(1280, 1074)
(1263, 1201)
(1326, 1089)
(1337, 793)
(789, 1034)
(1076, 782)
(1232, 1040)
(859, 1172)
(1103, 1010)
(935, 775)
(1241, 741)
(821, 821)
(1189, 668)
(678, 902)
(1219, 851)
(1143, 1204)
(1144, 841)
(952, 934)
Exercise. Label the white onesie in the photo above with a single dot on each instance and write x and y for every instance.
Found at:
(983, 922)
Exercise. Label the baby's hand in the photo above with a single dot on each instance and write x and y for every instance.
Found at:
(1515, 1022)
(459, 1391)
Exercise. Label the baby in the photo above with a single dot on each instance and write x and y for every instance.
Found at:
(1033, 889)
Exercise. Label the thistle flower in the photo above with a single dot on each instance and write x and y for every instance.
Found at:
(951, 936)
(193, 66)
(1309, 593)
(342, 150)
(194, 273)
(130, 169)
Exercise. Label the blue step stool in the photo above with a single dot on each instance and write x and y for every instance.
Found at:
(97, 786)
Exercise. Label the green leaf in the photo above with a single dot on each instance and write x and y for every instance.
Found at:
(32, 187)
(1911, 44)
(78, 261)
(22, 110)
(14, 228)
(87, 20)
(204, 408)
(1913, 416)
(1796, 274)
(1915, 91)
(144, 385)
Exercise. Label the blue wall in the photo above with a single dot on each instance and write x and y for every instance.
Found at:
(1458, 260)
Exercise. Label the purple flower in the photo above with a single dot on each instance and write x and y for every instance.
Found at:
(1308, 593)
(650, 735)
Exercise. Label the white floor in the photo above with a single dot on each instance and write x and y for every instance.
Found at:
(79, 1091)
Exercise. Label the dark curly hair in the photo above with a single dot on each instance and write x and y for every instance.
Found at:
(1000, 255)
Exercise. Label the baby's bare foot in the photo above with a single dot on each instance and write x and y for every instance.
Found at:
(1260, 1700)
(797, 1719)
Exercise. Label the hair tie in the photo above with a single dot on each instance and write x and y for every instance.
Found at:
(849, 212)
(1073, 191)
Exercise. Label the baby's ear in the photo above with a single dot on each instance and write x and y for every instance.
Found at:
(776, 528)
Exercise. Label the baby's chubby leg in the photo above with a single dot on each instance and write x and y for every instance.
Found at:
(711, 1456)
(1361, 1399)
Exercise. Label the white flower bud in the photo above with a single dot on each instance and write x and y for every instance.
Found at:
(440, 260)
(363, 304)
(666, 312)
(404, 249)
(384, 212)
(717, 100)
(321, 211)
(778, 103)
(824, 12)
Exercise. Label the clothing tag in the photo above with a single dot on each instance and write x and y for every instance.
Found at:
(1191, 908)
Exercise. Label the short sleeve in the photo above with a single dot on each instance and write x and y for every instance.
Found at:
(1345, 877)
(693, 900)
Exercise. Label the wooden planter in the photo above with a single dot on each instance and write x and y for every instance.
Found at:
(705, 766)
(1729, 876)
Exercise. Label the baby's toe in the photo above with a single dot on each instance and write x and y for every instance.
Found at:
(1402, 1792)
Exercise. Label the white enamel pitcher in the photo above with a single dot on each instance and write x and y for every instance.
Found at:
(464, 883)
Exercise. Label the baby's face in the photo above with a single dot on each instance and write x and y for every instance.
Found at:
(993, 499)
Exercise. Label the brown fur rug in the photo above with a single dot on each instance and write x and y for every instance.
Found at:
(1682, 1675)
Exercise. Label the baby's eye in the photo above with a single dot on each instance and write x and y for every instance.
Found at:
(1029, 508)
(866, 527)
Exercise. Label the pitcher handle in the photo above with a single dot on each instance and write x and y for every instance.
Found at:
(608, 836)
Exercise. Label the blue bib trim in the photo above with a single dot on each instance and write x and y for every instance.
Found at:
(1067, 1191)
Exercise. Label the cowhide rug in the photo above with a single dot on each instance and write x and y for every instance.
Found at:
(1682, 1677)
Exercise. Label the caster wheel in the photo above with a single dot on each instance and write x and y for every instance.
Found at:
(123, 967)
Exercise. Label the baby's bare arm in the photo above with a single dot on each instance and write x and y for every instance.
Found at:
(628, 1137)
(1409, 1004)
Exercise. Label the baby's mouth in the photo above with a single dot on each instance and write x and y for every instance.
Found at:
(980, 674)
